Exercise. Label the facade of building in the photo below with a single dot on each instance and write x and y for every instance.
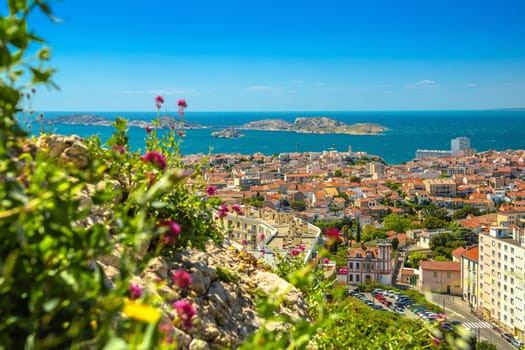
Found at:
(502, 278)
(424, 153)
(440, 277)
(370, 265)
(459, 144)
(469, 276)
(440, 187)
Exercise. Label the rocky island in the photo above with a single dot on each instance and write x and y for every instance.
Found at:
(165, 122)
(229, 133)
(316, 125)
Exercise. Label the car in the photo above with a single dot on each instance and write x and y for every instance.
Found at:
(516, 343)
(379, 307)
(507, 336)
(455, 322)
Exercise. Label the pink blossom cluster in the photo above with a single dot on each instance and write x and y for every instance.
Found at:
(135, 292)
(119, 149)
(343, 271)
(211, 190)
(326, 261)
(173, 231)
(156, 158)
(182, 106)
(295, 252)
(237, 208)
(159, 100)
(244, 242)
(301, 247)
(224, 210)
(181, 278)
(185, 311)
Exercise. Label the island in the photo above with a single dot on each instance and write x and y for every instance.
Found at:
(164, 122)
(229, 133)
(316, 125)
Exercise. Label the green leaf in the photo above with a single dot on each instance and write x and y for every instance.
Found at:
(16, 5)
(5, 56)
(116, 344)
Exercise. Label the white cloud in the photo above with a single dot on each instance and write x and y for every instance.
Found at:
(164, 92)
(319, 84)
(426, 82)
(472, 85)
(267, 88)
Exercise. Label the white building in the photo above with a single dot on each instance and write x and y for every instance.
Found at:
(459, 144)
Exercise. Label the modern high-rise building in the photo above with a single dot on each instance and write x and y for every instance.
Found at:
(459, 144)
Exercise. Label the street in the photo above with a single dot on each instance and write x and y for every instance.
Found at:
(456, 309)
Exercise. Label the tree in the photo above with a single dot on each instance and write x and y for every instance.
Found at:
(298, 205)
(395, 243)
(415, 258)
(464, 212)
(354, 178)
(338, 173)
(433, 223)
(396, 223)
(433, 211)
(485, 345)
(358, 233)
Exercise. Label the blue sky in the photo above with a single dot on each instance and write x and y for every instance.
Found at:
(285, 55)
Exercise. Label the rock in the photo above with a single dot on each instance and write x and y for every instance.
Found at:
(67, 149)
(198, 344)
(157, 269)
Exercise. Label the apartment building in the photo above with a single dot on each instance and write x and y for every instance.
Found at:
(440, 187)
(502, 278)
(370, 265)
(469, 276)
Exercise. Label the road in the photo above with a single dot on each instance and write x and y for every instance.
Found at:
(456, 309)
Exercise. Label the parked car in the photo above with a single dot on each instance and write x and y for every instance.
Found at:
(516, 343)
(507, 336)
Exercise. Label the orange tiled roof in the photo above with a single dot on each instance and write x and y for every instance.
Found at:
(440, 265)
(458, 251)
(472, 253)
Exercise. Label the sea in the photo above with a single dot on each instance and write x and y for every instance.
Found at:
(407, 132)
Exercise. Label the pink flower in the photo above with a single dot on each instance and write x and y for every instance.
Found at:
(326, 261)
(182, 278)
(148, 129)
(118, 148)
(182, 103)
(343, 271)
(159, 100)
(244, 242)
(262, 251)
(165, 328)
(284, 245)
(262, 236)
(135, 292)
(237, 208)
(332, 232)
(156, 158)
(301, 247)
(173, 232)
(295, 252)
(181, 133)
(185, 311)
(211, 190)
(223, 211)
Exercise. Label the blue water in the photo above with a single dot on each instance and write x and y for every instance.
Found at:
(408, 131)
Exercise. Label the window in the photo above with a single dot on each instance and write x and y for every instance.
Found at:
(357, 266)
(448, 274)
(351, 278)
(493, 243)
(357, 278)
(435, 274)
(351, 266)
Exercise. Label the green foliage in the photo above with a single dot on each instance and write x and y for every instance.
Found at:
(226, 275)
(465, 211)
(396, 223)
(444, 243)
(415, 258)
(298, 205)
